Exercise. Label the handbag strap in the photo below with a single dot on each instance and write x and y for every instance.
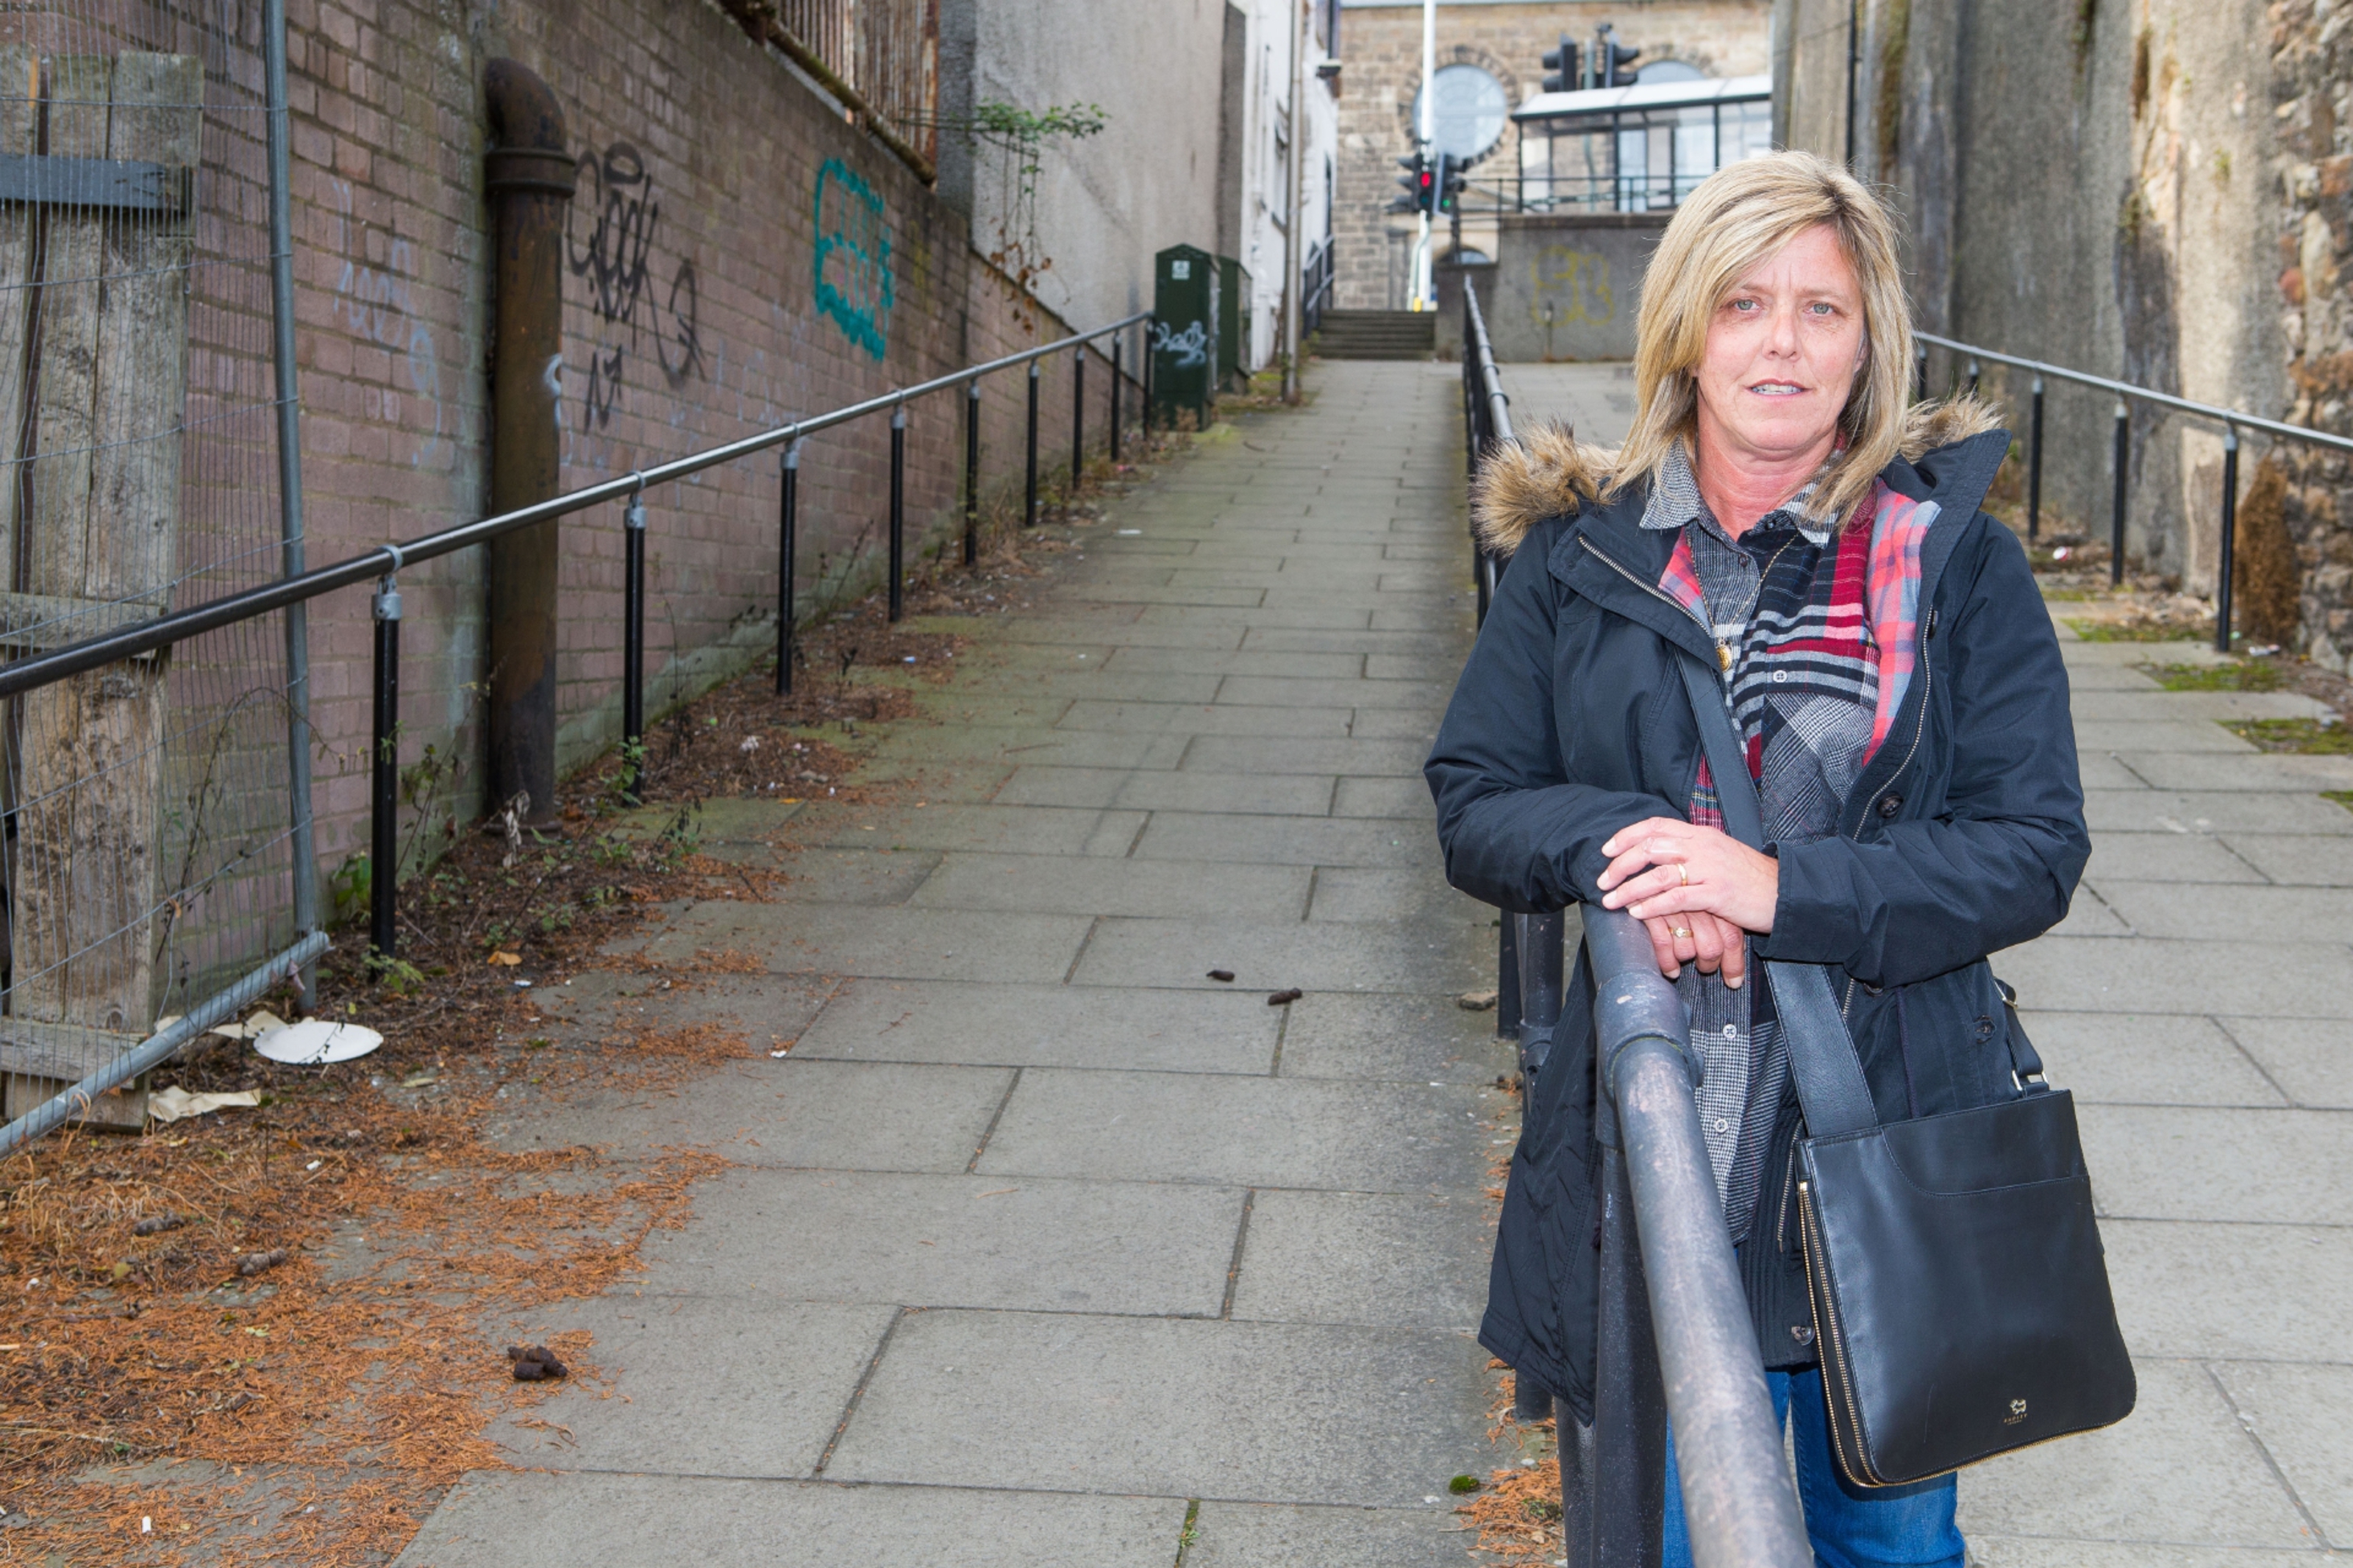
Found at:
(1830, 1085)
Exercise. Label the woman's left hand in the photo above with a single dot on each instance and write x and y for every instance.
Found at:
(1665, 865)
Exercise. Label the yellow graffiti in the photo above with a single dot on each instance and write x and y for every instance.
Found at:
(1568, 286)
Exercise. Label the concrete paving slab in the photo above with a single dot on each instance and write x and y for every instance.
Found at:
(2281, 979)
(2213, 811)
(2282, 1292)
(1238, 754)
(500, 1518)
(1015, 747)
(2293, 859)
(1282, 1535)
(2167, 858)
(1330, 957)
(2240, 771)
(1418, 725)
(2127, 1059)
(2067, 1552)
(1288, 840)
(852, 1115)
(599, 1005)
(1080, 885)
(1259, 1411)
(1271, 691)
(1384, 894)
(1407, 1038)
(1296, 617)
(895, 943)
(1240, 1132)
(1182, 719)
(852, 876)
(707, 1393)
(2103, 771)
(950, 1241)
(2310, 1059)
(2291, 1167)
(2297, 1414)
(1418, 643)
(1288, 794)
(2127, 1483)
(2194, 913)
(1401, 798)
(1383, 1260)
(1047, 1026)
(1342, 666)
(2175, 735)
(996, 829)
(2219, 706)
(2090, 915)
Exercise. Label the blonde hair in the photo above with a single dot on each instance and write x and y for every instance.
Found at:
(1738, 216)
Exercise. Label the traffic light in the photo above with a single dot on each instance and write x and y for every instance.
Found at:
(1448, 183)
(1562, 64)
(1613, 61)
(1420, 186)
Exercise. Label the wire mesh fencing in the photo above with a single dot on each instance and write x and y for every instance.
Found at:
(146, 865)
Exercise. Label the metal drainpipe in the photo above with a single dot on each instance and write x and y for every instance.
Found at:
(304, 853)
(529, 177)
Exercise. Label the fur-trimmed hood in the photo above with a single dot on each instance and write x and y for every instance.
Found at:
(1548, 472)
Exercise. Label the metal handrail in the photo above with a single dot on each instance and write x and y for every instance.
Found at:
(1739, 1505)
(384, 562)
(24, 675)
(2238, 418)
(1674, 1337)
(2232, 421)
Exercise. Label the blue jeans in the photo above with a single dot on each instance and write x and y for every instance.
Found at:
(1894, 1527)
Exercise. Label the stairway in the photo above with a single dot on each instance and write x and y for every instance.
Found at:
(1376, 334)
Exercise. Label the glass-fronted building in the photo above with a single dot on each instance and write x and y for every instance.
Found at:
(1638, 148)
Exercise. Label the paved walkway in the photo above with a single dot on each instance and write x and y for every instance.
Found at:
(1042, 1248)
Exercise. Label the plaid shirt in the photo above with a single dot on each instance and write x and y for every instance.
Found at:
(1787, 605)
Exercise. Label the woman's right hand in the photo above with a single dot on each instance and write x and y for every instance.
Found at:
(1711, 942)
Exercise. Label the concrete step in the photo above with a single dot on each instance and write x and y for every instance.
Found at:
(1376, 334)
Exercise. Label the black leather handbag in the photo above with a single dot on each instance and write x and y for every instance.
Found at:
(1960, 1293)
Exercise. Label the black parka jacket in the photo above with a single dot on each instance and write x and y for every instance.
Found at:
(1962, 835)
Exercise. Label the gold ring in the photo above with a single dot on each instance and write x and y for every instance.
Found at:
(1685, 872)
(1682, 931)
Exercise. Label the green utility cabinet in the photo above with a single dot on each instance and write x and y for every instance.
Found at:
(1233, 320)
(1185, 305)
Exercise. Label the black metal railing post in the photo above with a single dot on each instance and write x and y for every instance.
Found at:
(1111, 446)
(972, 473)
(898, 511)
(2034, 468)
(1536, 1005)
(788, 504)
(2116, 505)
(2223, 567)
(1919, 374)
(1029, 470)
(1145, 357)
(633, 649)
(1078, 416)
(383, 750)
(1974, 373)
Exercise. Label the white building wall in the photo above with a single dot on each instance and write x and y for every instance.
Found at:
(1275, 31)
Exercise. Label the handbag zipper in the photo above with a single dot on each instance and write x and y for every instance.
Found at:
(1825, 1313)
(1781, 1221)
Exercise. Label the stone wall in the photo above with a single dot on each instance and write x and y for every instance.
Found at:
(2097, 186)
(736, 255)
(2312, 105)
(1380, 45)
(1565, 288)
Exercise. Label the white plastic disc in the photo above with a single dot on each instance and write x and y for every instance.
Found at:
(316, 1041)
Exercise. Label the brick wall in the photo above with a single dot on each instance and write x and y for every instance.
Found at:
(1381, 46)
(691, 316)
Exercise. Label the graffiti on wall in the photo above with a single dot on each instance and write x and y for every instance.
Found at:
(852, 257)
(1190, 347)
(1570, 286)
(377, 304)
(618, 203)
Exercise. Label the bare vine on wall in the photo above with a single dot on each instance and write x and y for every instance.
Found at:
(1011, 140)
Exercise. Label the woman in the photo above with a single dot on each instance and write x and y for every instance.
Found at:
(1780, 514)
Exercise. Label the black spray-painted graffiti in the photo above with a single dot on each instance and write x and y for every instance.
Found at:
(617, 196)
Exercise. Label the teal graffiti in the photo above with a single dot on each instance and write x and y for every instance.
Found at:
(853, 258)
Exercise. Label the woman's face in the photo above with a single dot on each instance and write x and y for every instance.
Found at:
(1782, 353)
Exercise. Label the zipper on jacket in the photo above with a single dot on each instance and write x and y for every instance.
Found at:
(1919, 729)
(1788, 1185)
(1651, 588)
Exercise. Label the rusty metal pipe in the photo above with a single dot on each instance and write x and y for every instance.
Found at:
(529, 176)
